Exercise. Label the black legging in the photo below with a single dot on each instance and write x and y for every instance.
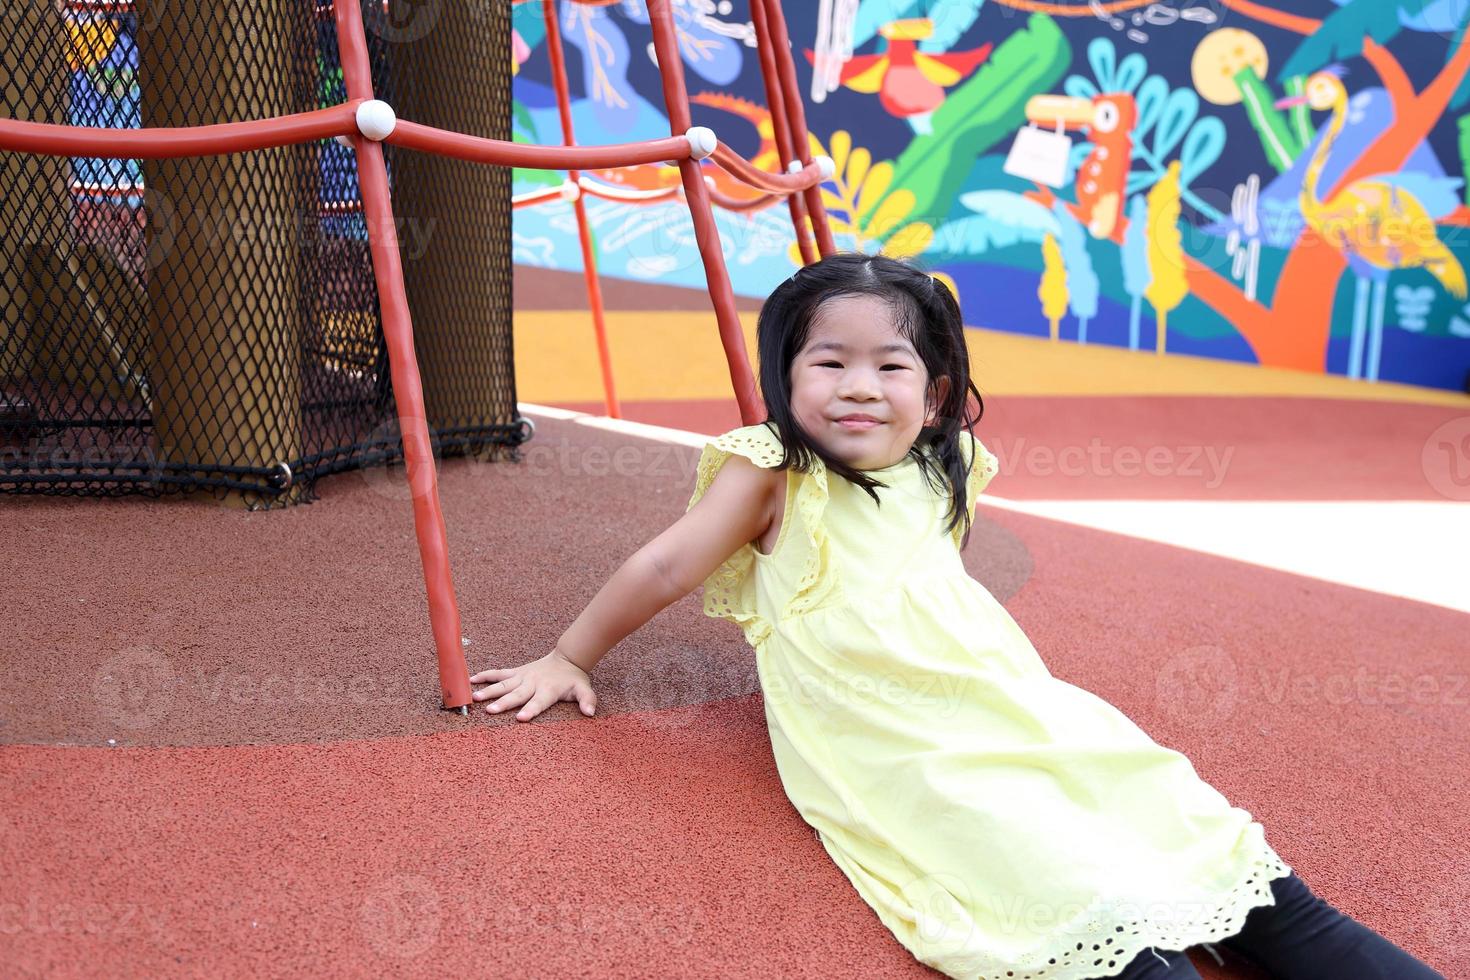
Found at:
(1301, 937)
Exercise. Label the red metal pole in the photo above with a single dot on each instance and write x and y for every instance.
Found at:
(765, 48)
(416, 136)
(418, 455)
(162, 142)
(584, 230)
(676, 100)
(738, 166)
(796, 116)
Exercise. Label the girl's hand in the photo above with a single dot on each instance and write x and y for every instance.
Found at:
(537, 685)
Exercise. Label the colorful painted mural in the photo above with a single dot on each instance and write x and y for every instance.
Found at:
(1274, 183)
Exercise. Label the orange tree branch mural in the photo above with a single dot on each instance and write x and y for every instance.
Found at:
(1293, 331)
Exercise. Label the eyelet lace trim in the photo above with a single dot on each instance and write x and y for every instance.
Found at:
(980, 474)
(729, 591)
(1102, 940)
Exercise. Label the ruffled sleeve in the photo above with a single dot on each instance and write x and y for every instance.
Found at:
(985, 467)
(730, 590)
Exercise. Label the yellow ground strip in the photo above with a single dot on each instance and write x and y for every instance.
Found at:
(660, 355)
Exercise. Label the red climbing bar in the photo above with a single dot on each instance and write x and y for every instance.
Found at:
(158, 143)
(418, 455)
(478, 149)
(730, 204)
(771, 77)
(796, 119)
(676, 100)
(756, 177)
(584, 229)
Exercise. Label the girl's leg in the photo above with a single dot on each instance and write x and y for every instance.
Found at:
(1302, 937)
(1158, 964)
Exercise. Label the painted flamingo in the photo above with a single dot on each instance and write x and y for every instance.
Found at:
(1379, 223)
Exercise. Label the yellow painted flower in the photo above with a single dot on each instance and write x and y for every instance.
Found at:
(860, 181)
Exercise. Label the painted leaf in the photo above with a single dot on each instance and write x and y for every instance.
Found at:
(857, 167)
(841, 144)
(1152, 95)
(1103, 58)
(875, 186)
(1130, 73)
(910, 240)
(1001, 219)
(1179, 112)
(1202, 147)
(1082, 281)
(1136, 276)
(894, 209)
(974, 236)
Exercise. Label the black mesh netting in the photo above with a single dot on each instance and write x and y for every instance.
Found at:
(213, 322)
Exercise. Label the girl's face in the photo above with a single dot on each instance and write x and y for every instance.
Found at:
(856, 364)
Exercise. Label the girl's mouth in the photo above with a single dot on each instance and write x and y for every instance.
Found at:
(856, 423)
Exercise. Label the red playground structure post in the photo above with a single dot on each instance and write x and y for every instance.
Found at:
(408, 392)
(367, 122)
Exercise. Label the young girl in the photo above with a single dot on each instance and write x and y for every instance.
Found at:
(1001, 822)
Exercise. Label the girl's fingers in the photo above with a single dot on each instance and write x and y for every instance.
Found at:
(534, 707)
(493, 674)
(489, 692)
(515, 696)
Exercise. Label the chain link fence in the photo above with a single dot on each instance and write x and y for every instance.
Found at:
(212, 323)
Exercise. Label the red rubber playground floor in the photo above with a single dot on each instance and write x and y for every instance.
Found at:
(221, 751)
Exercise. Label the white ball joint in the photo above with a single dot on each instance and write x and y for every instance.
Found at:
(570, 191)
(376, 120)
(825, 166)
(702, 142)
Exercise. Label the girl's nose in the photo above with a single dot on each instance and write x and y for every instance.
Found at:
(857, 384)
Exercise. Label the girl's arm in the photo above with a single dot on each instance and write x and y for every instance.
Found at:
(737, 508)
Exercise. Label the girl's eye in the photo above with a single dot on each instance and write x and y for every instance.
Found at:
(829, 364)
(897, 367)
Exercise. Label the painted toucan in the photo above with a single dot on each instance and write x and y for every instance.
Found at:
(910, 83)
(1102, 179)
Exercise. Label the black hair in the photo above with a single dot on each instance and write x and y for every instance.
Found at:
(926, 314)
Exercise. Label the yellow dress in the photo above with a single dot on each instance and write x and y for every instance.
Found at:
(1001, 822)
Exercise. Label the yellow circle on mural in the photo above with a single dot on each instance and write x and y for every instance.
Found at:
(1220, 57)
